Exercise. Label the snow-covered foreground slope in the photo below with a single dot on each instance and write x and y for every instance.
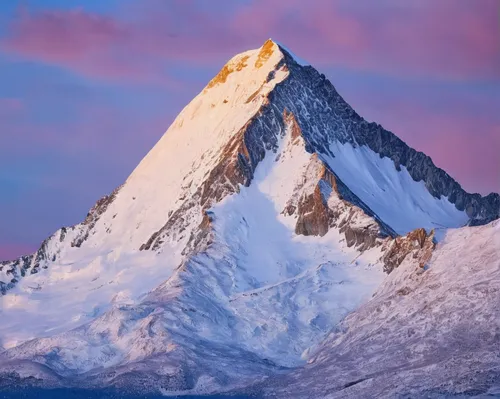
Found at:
(267, 213)
(432, 333)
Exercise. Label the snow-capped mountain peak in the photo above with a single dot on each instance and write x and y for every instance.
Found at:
(266, 213)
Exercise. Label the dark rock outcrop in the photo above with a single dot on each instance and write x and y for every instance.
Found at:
(332, 204)
(41, 259)
(30, 264)
(314, 215)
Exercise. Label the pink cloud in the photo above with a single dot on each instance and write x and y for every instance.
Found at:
(71, 35)
(447, 39)
(90, 44)
(310, 31)
(452, 38)
(70, 38)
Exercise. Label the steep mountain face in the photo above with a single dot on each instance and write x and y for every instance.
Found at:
(267, 212)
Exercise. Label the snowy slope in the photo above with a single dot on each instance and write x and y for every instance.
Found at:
(394, 196)
(259, 288)
(177, 165)
(97, 262)
(433, 333)
(267, 213)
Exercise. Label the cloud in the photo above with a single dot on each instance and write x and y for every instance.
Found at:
(93, 45)
(457, 39)
(74, 39)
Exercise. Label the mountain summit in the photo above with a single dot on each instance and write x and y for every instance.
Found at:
(268, 212)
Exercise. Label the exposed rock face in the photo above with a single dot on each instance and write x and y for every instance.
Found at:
(12, 271)
(314, 215)
(236, 165)
(418, 244)
(336, 120)
(325, 202)
(481, 210)
(362, 237)
(51, 248)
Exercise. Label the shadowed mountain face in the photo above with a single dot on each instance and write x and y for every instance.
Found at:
(267, 213)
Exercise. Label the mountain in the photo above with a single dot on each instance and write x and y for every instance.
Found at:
(267, 213)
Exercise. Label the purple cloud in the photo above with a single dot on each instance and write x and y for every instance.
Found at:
(450, 39)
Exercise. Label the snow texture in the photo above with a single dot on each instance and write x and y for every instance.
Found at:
(432, 333)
